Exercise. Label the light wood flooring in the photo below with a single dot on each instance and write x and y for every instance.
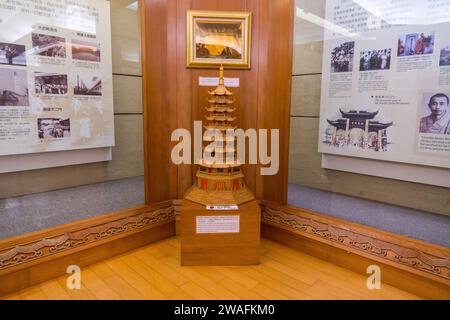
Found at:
(154, 272)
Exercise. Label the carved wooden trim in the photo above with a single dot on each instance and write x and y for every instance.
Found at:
(415, 256)
(21, 253)
(385, 248)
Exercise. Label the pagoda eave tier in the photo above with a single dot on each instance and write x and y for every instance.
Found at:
(220, 177)
(220, 101)
(223, 165)
(219, 118)
(220, 109)
(217, 149)
(221, 128)
(220, 139)
(209, 197)
(221, 90)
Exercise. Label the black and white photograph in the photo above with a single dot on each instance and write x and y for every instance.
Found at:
(375, 60)
(342, 57)
(413, 44)
(359, 129)
(85, 51)
(88, 86)
(49, 128)
(49, 46)
(12, 54)
(435, 118)
(13, 88)
(50, 83)
(444, 59)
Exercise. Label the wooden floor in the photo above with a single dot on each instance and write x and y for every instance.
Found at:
(154, 272)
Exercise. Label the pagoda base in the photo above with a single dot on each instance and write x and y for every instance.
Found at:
(217, 246)
(209, 197)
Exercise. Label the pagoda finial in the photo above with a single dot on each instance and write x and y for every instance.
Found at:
(221, 80)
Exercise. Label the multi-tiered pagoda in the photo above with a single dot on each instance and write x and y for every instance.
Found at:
(220, 182)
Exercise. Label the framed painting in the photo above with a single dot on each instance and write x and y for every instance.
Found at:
(216, 37)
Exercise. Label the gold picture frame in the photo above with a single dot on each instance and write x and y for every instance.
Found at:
(217, 38)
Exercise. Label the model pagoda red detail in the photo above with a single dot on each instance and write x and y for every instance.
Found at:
(220, 182)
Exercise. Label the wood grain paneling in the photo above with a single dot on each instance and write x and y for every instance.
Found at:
(174, 100)
(275, 90)
(305, 169)
(184, 94)
(158, 114)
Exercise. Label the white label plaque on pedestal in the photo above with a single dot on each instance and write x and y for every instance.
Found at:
(223, 207)
(217, 224)
(214, 81)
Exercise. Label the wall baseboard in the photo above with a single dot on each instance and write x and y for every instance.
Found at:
(41, 256)
(411, 265)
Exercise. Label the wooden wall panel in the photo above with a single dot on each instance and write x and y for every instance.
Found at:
(173, 99)
(184, 93)
(275, 88)
(155, 55)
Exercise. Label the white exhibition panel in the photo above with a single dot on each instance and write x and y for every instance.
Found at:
(56, 91)
(385, 92)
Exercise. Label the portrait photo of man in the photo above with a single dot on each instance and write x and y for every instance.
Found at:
(438, 119)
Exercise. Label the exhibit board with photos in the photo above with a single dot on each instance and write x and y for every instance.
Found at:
(386, 81)
(55, 76)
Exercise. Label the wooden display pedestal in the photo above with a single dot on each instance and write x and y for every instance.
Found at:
(202, 245)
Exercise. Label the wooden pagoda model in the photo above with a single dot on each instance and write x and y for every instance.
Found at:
(220, 182)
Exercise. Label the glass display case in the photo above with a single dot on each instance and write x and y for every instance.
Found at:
(71, 141)
(365, 145)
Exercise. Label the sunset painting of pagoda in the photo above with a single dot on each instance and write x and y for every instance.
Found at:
(220, 182)
(359, 130)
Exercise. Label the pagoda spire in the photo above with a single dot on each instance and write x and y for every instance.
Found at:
(221, 78)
